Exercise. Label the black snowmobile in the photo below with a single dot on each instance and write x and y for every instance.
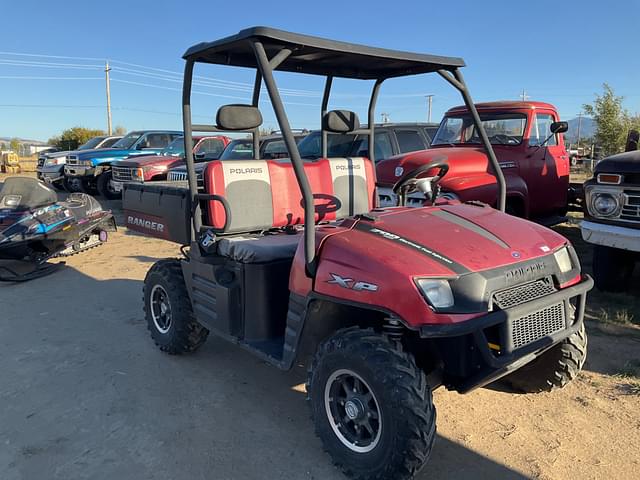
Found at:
(35, 226)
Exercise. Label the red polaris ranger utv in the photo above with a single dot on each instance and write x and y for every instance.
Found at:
(293, 261)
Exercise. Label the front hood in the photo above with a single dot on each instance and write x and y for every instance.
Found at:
(627, 162)
(106, 153)
(461, 238)
(58, 154)
(151, 161)
(199, 167)
(463, 161)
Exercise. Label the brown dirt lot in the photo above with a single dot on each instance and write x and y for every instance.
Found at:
(85, 394)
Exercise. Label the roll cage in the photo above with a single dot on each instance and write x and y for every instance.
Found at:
(267, 50)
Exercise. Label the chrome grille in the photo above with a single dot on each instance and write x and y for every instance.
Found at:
(523, 293)
(73, 160)
(177, 176)
(631, 207)
(536, 325)
(122, 174)
(182, 177)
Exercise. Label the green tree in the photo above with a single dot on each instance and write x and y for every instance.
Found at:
(612, 121)
(120, 130)
(15, 145)
(70, 139)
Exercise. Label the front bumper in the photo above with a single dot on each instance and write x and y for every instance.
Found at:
(79, 171)
(472, 360)
(50, 174)
(611, 235)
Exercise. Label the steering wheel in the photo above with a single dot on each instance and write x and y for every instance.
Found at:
(411, 182)
(504, 139)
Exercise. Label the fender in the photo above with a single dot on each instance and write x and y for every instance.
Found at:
(101, 168)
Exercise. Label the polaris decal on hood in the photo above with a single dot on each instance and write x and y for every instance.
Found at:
(450, 264)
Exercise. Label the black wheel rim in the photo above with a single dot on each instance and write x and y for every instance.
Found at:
(160, 308)
(353, 411)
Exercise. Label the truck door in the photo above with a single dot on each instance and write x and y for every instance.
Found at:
(547, 175)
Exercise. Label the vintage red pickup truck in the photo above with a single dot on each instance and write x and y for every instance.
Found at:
(528, 142)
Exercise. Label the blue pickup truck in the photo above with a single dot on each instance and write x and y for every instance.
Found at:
(90, 171)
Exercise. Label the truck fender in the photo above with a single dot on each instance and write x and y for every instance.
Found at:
(101, 168)
(518, 193)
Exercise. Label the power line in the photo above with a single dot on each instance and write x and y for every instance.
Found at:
(19, 77)
(49, 56)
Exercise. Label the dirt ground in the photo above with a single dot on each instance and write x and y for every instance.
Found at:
(84, 394)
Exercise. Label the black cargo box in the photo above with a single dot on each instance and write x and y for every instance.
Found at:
(158, 209)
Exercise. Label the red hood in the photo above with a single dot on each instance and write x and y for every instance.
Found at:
(463, 161)
(452, 239)
(151, 161)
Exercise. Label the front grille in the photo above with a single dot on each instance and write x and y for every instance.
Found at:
(41, 161)
(631, 207)
(73, 160)
(177, 176)
(122, 174)
(536, 325)
(523, 293)
(182, 177)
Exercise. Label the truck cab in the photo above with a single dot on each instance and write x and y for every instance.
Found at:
(533, 159)
(612, 219)
(86, 170)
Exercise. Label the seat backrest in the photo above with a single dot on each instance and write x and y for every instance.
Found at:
(264, 194)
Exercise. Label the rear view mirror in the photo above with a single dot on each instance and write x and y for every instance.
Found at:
(559, 127)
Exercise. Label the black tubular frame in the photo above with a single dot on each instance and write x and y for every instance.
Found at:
(264, 73)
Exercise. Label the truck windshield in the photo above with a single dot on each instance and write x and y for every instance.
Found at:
(127, 141)
(501, 128)
(175, 148)
(92, 143)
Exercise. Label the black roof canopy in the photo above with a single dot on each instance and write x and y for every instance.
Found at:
(318, 56)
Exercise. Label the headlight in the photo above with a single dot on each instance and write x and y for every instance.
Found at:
(437, 292)
(563, 259)
(55, 161)
(603, 201)
(605, 204)
(137, 173)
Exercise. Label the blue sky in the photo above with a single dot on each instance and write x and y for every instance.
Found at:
(560, 52)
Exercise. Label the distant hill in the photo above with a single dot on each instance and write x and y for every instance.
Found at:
(587, 129)
(23, 140)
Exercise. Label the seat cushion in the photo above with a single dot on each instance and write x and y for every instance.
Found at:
(259, 249)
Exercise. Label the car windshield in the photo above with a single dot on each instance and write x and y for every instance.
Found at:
(128, 140)
(337, 145)
(92, 143)
(501, 128)
(238, 150)
(175, 148)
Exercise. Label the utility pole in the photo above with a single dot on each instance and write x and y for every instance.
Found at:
(579, 127)
(429, 104)
(524, 95)
(107, 69)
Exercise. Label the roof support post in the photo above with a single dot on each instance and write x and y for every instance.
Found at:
(266, 69)
(257, 84)
(458, 82)
(188, 147)
(371, 114)
(323, 111)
